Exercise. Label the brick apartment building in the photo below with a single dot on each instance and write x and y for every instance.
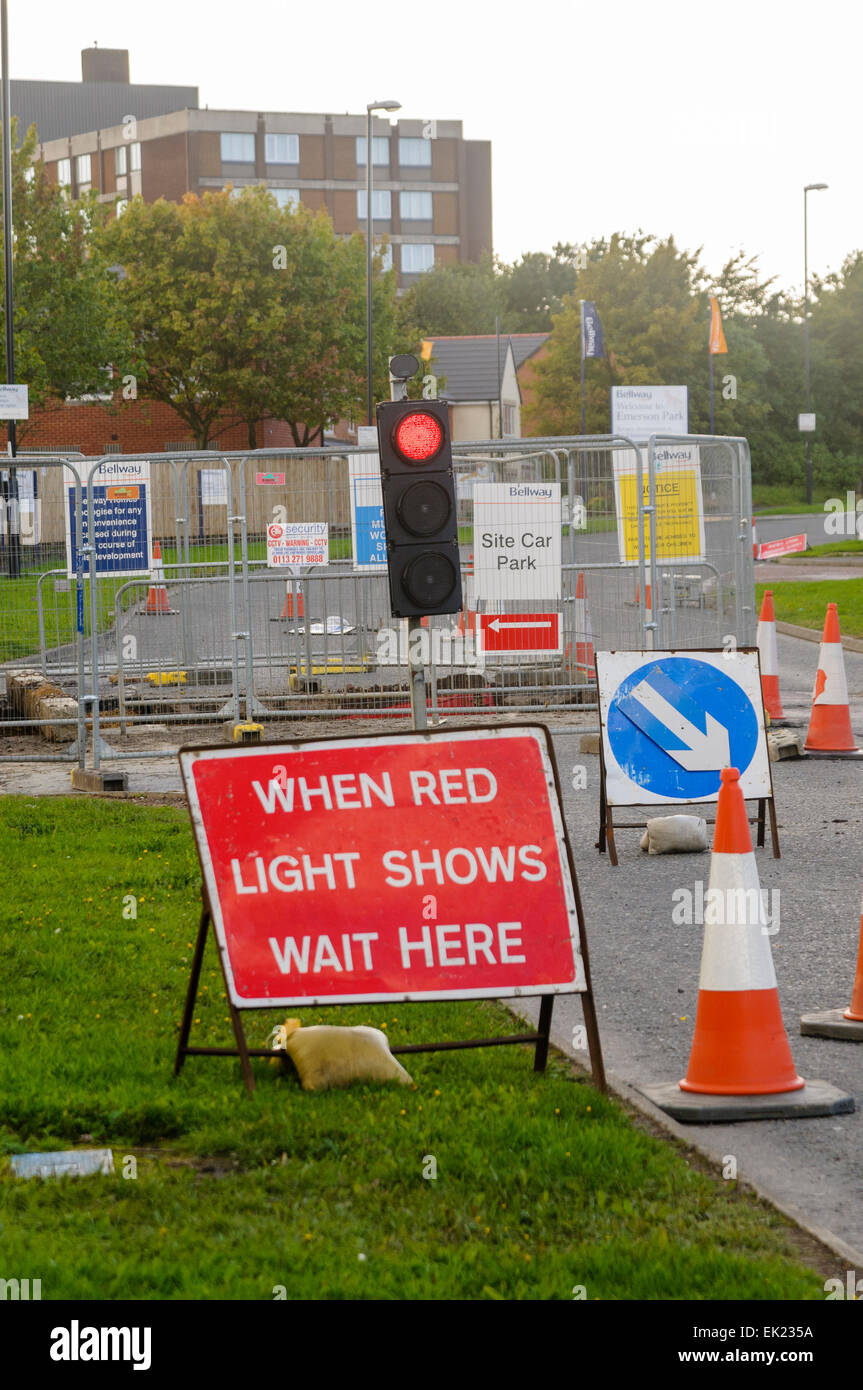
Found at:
(432, 189)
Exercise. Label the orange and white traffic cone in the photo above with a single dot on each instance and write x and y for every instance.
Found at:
(288, 605)
(468, 611)
(740, 1066)
(647, 599)
(740, 1046)
(157, 594)
(755, 545)
(766, 643)
(830, 729)
(846, 1024)
(583, 629)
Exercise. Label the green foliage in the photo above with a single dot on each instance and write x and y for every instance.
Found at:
(804, 602)
(245, 311)
(68, 324)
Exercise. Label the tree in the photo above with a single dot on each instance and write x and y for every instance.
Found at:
(646, 294)
(452, 300)
(536, 286)
(245, 311)
(69, 329)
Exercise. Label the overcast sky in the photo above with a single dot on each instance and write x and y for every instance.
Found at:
(680, 116)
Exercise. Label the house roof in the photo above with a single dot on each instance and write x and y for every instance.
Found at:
(470, 364)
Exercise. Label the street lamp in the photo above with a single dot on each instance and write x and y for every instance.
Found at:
(809, 188)
(373, 106)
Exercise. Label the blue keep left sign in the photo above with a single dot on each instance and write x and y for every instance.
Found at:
(672, 721)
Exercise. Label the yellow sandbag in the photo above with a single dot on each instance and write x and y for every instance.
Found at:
(327, 1056)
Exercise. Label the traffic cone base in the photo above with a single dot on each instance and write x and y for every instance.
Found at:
(846, 1024)
(723, 1062)
(816, 1098)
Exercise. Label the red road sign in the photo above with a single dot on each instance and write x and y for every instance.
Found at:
(789, 545)
(520, 632)
(387, 866)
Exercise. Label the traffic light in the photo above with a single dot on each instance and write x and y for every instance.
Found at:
(420, 515)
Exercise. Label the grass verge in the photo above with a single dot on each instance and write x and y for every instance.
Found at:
(542, 1184)
(805, 603)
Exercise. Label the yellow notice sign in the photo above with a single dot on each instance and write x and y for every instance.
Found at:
(679, 509)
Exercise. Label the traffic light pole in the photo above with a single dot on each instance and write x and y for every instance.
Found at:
(416, 665)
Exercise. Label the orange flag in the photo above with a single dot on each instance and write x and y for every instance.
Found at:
(717, 336)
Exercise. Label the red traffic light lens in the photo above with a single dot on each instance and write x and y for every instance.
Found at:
(418, 437)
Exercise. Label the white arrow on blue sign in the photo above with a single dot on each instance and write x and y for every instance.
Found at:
(672, 721)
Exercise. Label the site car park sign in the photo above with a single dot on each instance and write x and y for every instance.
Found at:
(122, 519)
(399, 866)
(296, 543)
(516, 541)
(670, 721)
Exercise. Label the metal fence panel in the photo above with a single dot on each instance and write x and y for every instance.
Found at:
(212, 633)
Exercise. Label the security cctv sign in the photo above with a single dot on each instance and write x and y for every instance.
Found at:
(397, 865)
(671, 720)
(297, 543)
(516, 540)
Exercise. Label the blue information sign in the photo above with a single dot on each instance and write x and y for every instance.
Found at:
(676, 721)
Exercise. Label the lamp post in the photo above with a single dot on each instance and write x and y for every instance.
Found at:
(809, 188)
(10, 487)
(373, 106)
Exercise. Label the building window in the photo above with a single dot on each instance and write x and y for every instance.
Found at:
(415, 207)
(120, 206)
(29, 174)
(83, 170)
(415, 152)
(386, 255)
(64, 172)
(285, 197)
(417, 256)
(382, 205)
(282, 149)
(135, 157)
(380, 150)
(120, 163)
(509, 420)
(237, 148)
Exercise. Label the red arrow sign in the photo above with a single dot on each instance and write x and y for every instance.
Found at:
(520, 632)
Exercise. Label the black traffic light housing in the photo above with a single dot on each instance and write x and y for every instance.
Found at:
(420, 512)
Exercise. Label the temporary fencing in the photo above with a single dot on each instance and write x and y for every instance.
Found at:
(651, 546)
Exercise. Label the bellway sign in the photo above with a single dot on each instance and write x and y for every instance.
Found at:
(122, 519)
(389, 866)
(637, 412)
